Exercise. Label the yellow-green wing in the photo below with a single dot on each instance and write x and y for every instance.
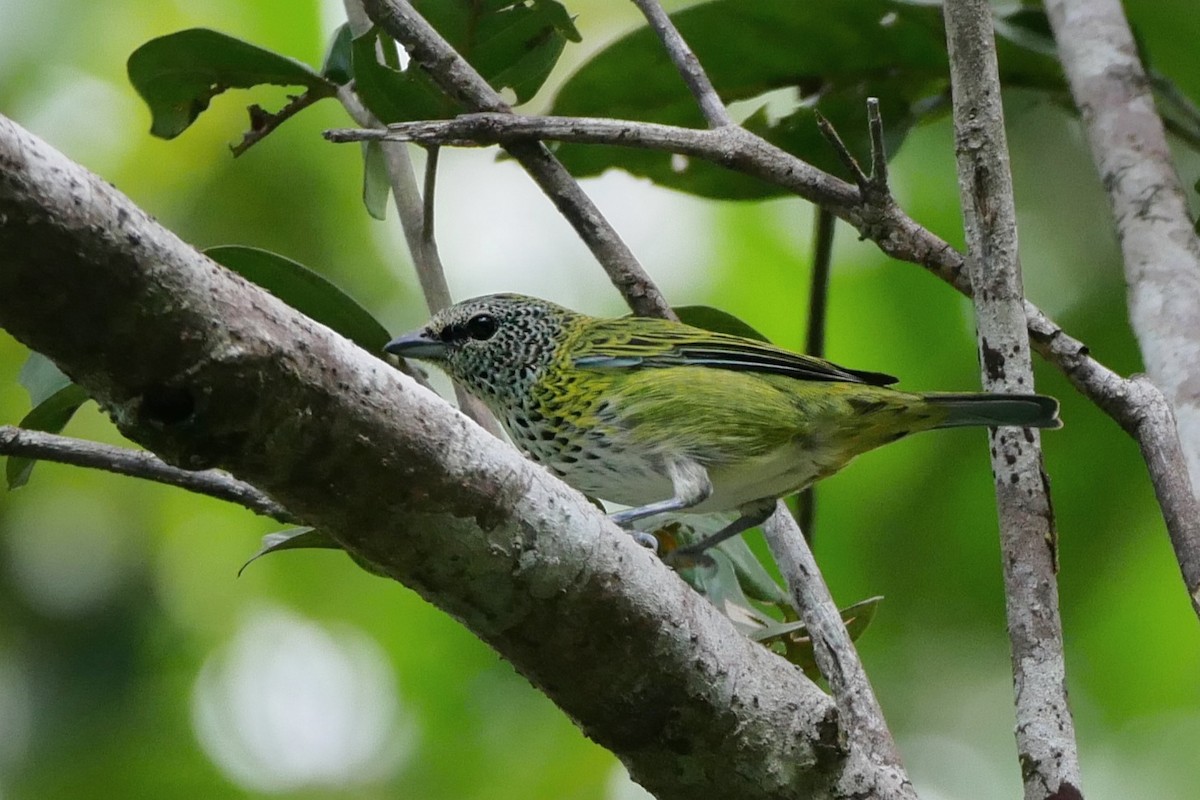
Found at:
(650, 343)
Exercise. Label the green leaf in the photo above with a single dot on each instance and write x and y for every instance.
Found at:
(798, 646)
(393, 95)
(512, 43)
(303, 538)
(889, 49)
(55, 400)
(179, 74)
(376, 184)
(305, 291)
(718, 321)
(337, 65)
(306, 538)
(42, 378)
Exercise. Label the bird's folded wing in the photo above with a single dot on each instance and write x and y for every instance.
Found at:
(671, 345)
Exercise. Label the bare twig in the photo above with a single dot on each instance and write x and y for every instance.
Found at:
(1045, 729)
(137, 464)
(824, 226)
(1149, 204)
(872, 748)
(714, 111)
(263, 122)
(460, 81)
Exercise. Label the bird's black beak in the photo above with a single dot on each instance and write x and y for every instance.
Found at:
(418, 344)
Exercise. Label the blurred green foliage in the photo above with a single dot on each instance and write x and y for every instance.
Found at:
(134, 663)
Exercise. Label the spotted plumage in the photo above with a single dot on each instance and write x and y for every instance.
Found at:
(662, 416)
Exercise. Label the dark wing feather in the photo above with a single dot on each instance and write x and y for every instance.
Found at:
(658, 343)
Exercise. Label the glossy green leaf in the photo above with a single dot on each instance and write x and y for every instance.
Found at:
(337, 65)
(391, 94)
(179, 74)
(54, 398)
(305, 291)
(888, 49)
(376, 184)
(714, 319)
(303, 538)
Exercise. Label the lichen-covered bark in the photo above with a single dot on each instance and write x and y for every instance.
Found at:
(1045, 729)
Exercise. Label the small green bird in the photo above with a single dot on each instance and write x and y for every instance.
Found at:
(661, 416)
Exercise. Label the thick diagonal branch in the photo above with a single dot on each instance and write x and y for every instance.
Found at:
(226, 376)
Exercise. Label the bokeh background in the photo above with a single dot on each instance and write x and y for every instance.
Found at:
(135, 663)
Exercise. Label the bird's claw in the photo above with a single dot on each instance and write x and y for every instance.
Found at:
(645, 540)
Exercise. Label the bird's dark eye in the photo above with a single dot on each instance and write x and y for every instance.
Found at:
(482, 326)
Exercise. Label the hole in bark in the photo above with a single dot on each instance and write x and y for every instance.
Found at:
(167, 405)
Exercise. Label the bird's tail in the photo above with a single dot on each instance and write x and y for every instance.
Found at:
(995, 410)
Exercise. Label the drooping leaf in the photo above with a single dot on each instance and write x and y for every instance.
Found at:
(54, 398)
(303, 538)
(305, 291)
(375, 180)
(50, 415)
(41, 378)
(179, 74)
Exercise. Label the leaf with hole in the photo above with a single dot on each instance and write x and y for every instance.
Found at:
(179, 74)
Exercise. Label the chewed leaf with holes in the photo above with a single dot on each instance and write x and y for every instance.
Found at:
(179, 74)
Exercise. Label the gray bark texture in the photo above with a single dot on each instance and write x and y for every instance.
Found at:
(1045, 730)
(209, 371)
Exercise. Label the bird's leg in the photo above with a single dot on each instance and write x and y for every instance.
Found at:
(752, 514)
(692, 487)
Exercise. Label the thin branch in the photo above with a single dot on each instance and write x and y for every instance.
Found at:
(879, 156)
(263, 122)
(1045, 730)
(896, 234)
(714, 111)
(459, 80)
(843, 152)
(824, 227)
(431, 166)
(1149, 203)
(872, 748)
(44, 446)
(422, 247)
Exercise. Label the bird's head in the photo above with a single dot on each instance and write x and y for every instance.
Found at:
(494, 345)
